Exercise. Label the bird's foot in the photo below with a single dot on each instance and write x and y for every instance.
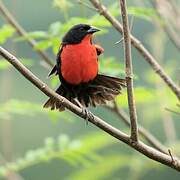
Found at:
(87, 114)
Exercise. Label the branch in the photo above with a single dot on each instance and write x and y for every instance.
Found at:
(86, 5)
(129, 72)
(139, 146)
(142, 131)
(124, 117)
(138, 45)
(172, 111)
(9, 17)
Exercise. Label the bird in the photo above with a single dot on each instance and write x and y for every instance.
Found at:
(77, 68)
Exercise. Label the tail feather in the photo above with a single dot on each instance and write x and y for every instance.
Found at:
(102, 89)
(53, 103)
(113, 81)
(99, 91)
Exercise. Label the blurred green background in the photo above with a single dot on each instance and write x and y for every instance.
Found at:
(36, 144)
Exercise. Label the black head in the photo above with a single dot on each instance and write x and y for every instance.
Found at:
(76, 34)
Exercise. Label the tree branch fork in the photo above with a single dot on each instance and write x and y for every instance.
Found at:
(139, 146)
(147, 56)
(129, 72)
(160, 154)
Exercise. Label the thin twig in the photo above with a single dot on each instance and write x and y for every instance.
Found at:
(139, 146)
(118, 42)
(153, 141)
(9, 17)
(172, 111)
(130, 29)
(171, 155)
(131, 24)
(129, 72)
(138, 45)
(86, 5)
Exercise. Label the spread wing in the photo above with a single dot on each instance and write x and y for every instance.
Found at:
(56, 68)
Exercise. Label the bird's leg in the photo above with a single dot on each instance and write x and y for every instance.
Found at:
(85, 111)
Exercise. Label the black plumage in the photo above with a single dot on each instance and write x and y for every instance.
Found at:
(97, 91)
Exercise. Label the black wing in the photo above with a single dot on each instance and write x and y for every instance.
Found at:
(55, 70)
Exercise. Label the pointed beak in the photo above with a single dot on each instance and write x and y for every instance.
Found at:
(93, 30)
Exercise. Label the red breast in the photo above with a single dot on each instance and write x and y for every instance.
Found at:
(79, 62)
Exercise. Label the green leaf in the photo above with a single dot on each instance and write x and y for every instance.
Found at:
(20, 107)
(14, 106)
(44, 44)
(33, 35)
(55, 44)
(6, 31)
(54, 81)
(74, 152)
(102, 22)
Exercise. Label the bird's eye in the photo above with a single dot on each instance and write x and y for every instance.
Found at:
(81, 29)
